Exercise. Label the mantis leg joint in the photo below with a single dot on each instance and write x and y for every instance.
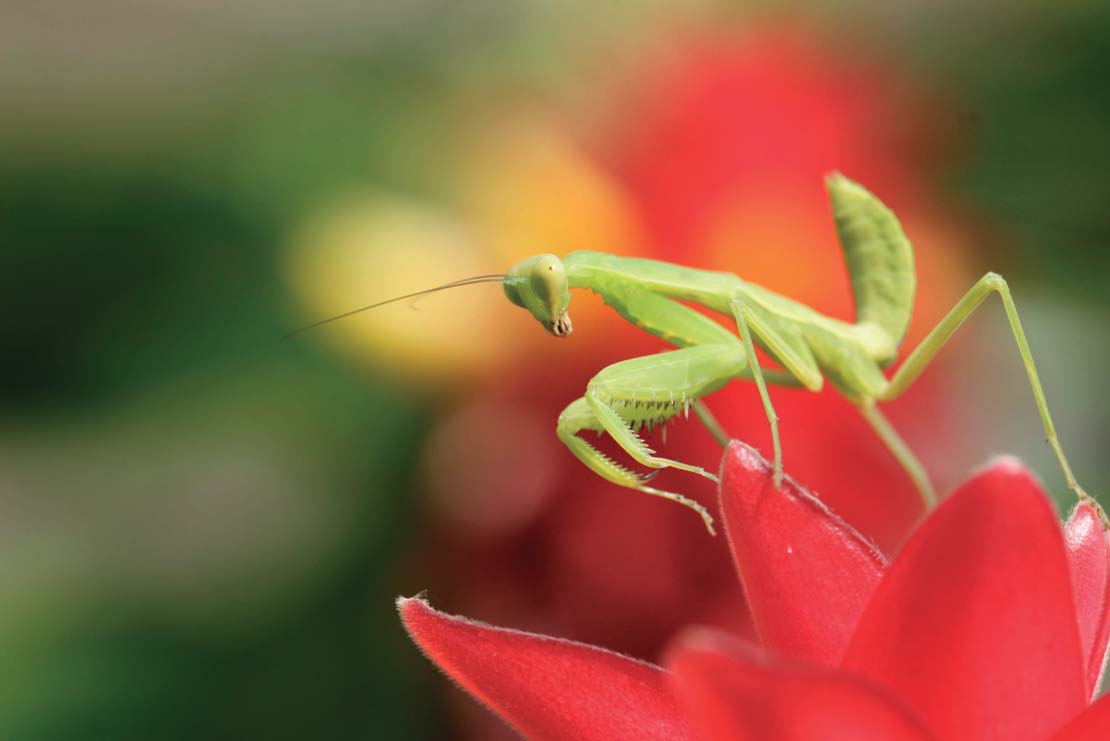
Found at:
(994, 281)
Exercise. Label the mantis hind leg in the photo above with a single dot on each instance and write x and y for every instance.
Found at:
(580, 416)
(924, 353)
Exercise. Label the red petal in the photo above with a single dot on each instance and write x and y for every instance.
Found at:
(974, 625)
(808, 575)
(547, 687)
(1088, 547)
(732, 691)
(1093, 724)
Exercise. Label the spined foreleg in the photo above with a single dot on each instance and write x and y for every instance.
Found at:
(578, 417)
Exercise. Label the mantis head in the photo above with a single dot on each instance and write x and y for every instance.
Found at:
(540, 285)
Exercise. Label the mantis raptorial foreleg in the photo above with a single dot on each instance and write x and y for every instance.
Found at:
(651, 390)
(684, 327)
(579, 416)
(924, 353)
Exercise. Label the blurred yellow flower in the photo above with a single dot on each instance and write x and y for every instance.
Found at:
(374, 247)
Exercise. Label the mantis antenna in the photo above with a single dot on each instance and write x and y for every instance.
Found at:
(473, 280)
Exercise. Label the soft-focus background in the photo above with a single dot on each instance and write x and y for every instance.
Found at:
(202, 528)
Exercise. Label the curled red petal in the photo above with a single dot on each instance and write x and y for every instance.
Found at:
(547, 688)
(733, 691)
(808, 575)
(974, 624)
(1088, 546)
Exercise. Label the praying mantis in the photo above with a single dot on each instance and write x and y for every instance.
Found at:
(810, 348)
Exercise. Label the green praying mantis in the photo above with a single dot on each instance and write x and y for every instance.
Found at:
(628, 396)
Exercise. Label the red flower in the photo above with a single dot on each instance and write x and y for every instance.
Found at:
(990, 622)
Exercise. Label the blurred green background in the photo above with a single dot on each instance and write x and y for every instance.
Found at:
(202, 528)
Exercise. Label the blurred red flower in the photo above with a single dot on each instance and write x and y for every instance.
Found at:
(991, 622)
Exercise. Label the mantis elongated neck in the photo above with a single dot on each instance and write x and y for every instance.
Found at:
(598, 271)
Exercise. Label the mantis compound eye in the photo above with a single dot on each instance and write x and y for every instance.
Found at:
(562, 326)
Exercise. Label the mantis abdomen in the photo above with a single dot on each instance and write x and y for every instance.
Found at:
(879, 257)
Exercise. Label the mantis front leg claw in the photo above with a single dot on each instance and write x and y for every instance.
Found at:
(580, 416)
(621, 431)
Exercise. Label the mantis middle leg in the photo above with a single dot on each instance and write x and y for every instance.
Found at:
(794, 356)
(710, 422)
(924, 353)
(901, 452)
